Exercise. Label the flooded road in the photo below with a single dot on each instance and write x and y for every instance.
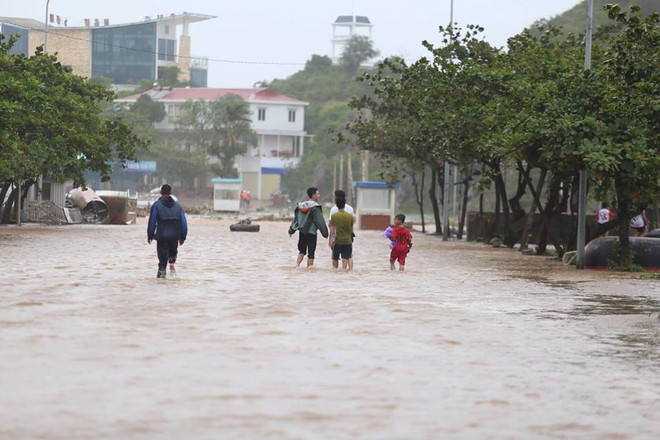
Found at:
(470, 342)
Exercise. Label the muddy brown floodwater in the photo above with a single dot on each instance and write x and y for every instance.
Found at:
(469, 343)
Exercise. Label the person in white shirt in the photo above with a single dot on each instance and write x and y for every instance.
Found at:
(339, 194)
(348, 208)
(604, 217)
(639, 224)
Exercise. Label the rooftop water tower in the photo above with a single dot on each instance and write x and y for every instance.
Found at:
(345, 27)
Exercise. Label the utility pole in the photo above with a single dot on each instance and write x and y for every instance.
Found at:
(334, 176)
(40, 179)
(582, 194)
(18, 202)
(46, 28)
(341, 171)
(445, 196)
(349, 180)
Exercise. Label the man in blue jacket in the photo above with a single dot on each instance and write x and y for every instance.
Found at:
(168, 225)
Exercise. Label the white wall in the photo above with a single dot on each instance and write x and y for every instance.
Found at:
(277, 116)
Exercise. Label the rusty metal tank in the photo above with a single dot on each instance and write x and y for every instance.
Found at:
(122, 207)
(91, 205)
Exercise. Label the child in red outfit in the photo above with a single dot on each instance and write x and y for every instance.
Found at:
(402, 239)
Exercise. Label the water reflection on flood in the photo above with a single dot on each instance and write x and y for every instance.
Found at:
(469, 342)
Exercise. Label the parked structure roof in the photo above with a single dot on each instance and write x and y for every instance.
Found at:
(176, 19)
(352, 19)
(182, 94)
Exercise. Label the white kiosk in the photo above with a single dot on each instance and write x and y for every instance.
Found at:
(226, 194)
(375, 204)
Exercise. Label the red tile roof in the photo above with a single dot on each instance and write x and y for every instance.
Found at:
(182, 94)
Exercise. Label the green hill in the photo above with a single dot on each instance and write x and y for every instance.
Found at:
(328, 88)
(573, 20)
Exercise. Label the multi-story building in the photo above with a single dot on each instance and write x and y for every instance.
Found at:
(126, 54)
(278, 120)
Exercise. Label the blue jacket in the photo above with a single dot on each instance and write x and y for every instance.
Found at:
(167, 221)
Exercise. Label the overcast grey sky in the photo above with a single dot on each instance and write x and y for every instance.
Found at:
(248, 35)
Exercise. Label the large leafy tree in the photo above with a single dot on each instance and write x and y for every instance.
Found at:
(539, 122)
(174, 163)
(626, 147)
(220, 128)
(53, 124)
(533, 107)
(431, 111)
(358, 50)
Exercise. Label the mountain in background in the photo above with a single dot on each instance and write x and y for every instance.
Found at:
(573, 20)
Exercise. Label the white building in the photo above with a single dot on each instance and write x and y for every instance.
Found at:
(278, 120)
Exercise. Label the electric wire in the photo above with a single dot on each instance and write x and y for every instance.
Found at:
(116, 46)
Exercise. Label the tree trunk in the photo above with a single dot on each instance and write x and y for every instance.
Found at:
(9, 207)
(466, 189)
(550, 208)
(552, 197)
(514, 202)
(494, 227)
(500, 187)
(524, 241)
(3, 194)
(481, 195)
(419, 195)
(623, 257)
(434, 201)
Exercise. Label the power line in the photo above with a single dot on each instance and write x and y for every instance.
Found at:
(215, 60)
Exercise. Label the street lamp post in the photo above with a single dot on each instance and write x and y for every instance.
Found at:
(582, 190)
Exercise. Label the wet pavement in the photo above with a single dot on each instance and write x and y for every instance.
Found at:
(470, 342)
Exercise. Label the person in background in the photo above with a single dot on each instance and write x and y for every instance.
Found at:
(340, 195)
(639, 224)
(604, 218)
(245, 199)
(402, 238)
(348, 208)
(341, 230)
(308, 220)
(168, 225)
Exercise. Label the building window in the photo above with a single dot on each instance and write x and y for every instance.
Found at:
(295, 145)
(125, 54)
(261, 114)
(292, 116)
(172, 113)
(167, 29)
(166, 49)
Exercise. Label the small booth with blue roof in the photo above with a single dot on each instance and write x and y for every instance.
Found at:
(226, 194)
(375, 204)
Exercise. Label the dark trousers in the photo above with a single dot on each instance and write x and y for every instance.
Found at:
(307, 244)
(167, 251)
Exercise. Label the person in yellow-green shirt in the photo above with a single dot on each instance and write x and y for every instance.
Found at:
(341, 230)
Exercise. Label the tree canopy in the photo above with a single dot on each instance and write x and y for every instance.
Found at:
(220, 128)
(358, 50)
(53, 123)
(533, 107)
